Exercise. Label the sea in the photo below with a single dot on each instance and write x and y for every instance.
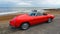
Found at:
(11, 10)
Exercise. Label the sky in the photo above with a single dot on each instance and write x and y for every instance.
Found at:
(30, 3)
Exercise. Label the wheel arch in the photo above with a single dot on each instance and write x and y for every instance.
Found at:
(25, 22)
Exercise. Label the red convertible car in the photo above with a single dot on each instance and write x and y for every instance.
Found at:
(24, 21)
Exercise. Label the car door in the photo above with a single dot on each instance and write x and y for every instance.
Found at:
(37, 18)
(45, 18)
(34, 20)
(41, 18)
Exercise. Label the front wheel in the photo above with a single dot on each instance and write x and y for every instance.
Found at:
(49, 20)
(24, 26)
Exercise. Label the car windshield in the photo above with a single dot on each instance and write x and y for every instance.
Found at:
(33, 13)
(36, 13)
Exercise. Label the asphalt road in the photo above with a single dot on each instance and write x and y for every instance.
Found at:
(45, 28)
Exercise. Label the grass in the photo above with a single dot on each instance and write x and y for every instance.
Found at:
(53, 12)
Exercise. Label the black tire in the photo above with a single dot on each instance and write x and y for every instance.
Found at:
(24, 26)
(49, 20)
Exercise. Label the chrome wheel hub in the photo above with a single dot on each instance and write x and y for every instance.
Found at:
(25, 26)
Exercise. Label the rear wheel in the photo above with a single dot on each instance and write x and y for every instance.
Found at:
(49, 20)
(24, 26)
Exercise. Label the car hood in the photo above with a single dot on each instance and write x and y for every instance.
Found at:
(22, 17)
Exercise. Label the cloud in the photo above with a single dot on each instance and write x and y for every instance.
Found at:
(20, 2)
(47, 3)
(29, 3)
(52, 2)
(14, 3)
(24, 3)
